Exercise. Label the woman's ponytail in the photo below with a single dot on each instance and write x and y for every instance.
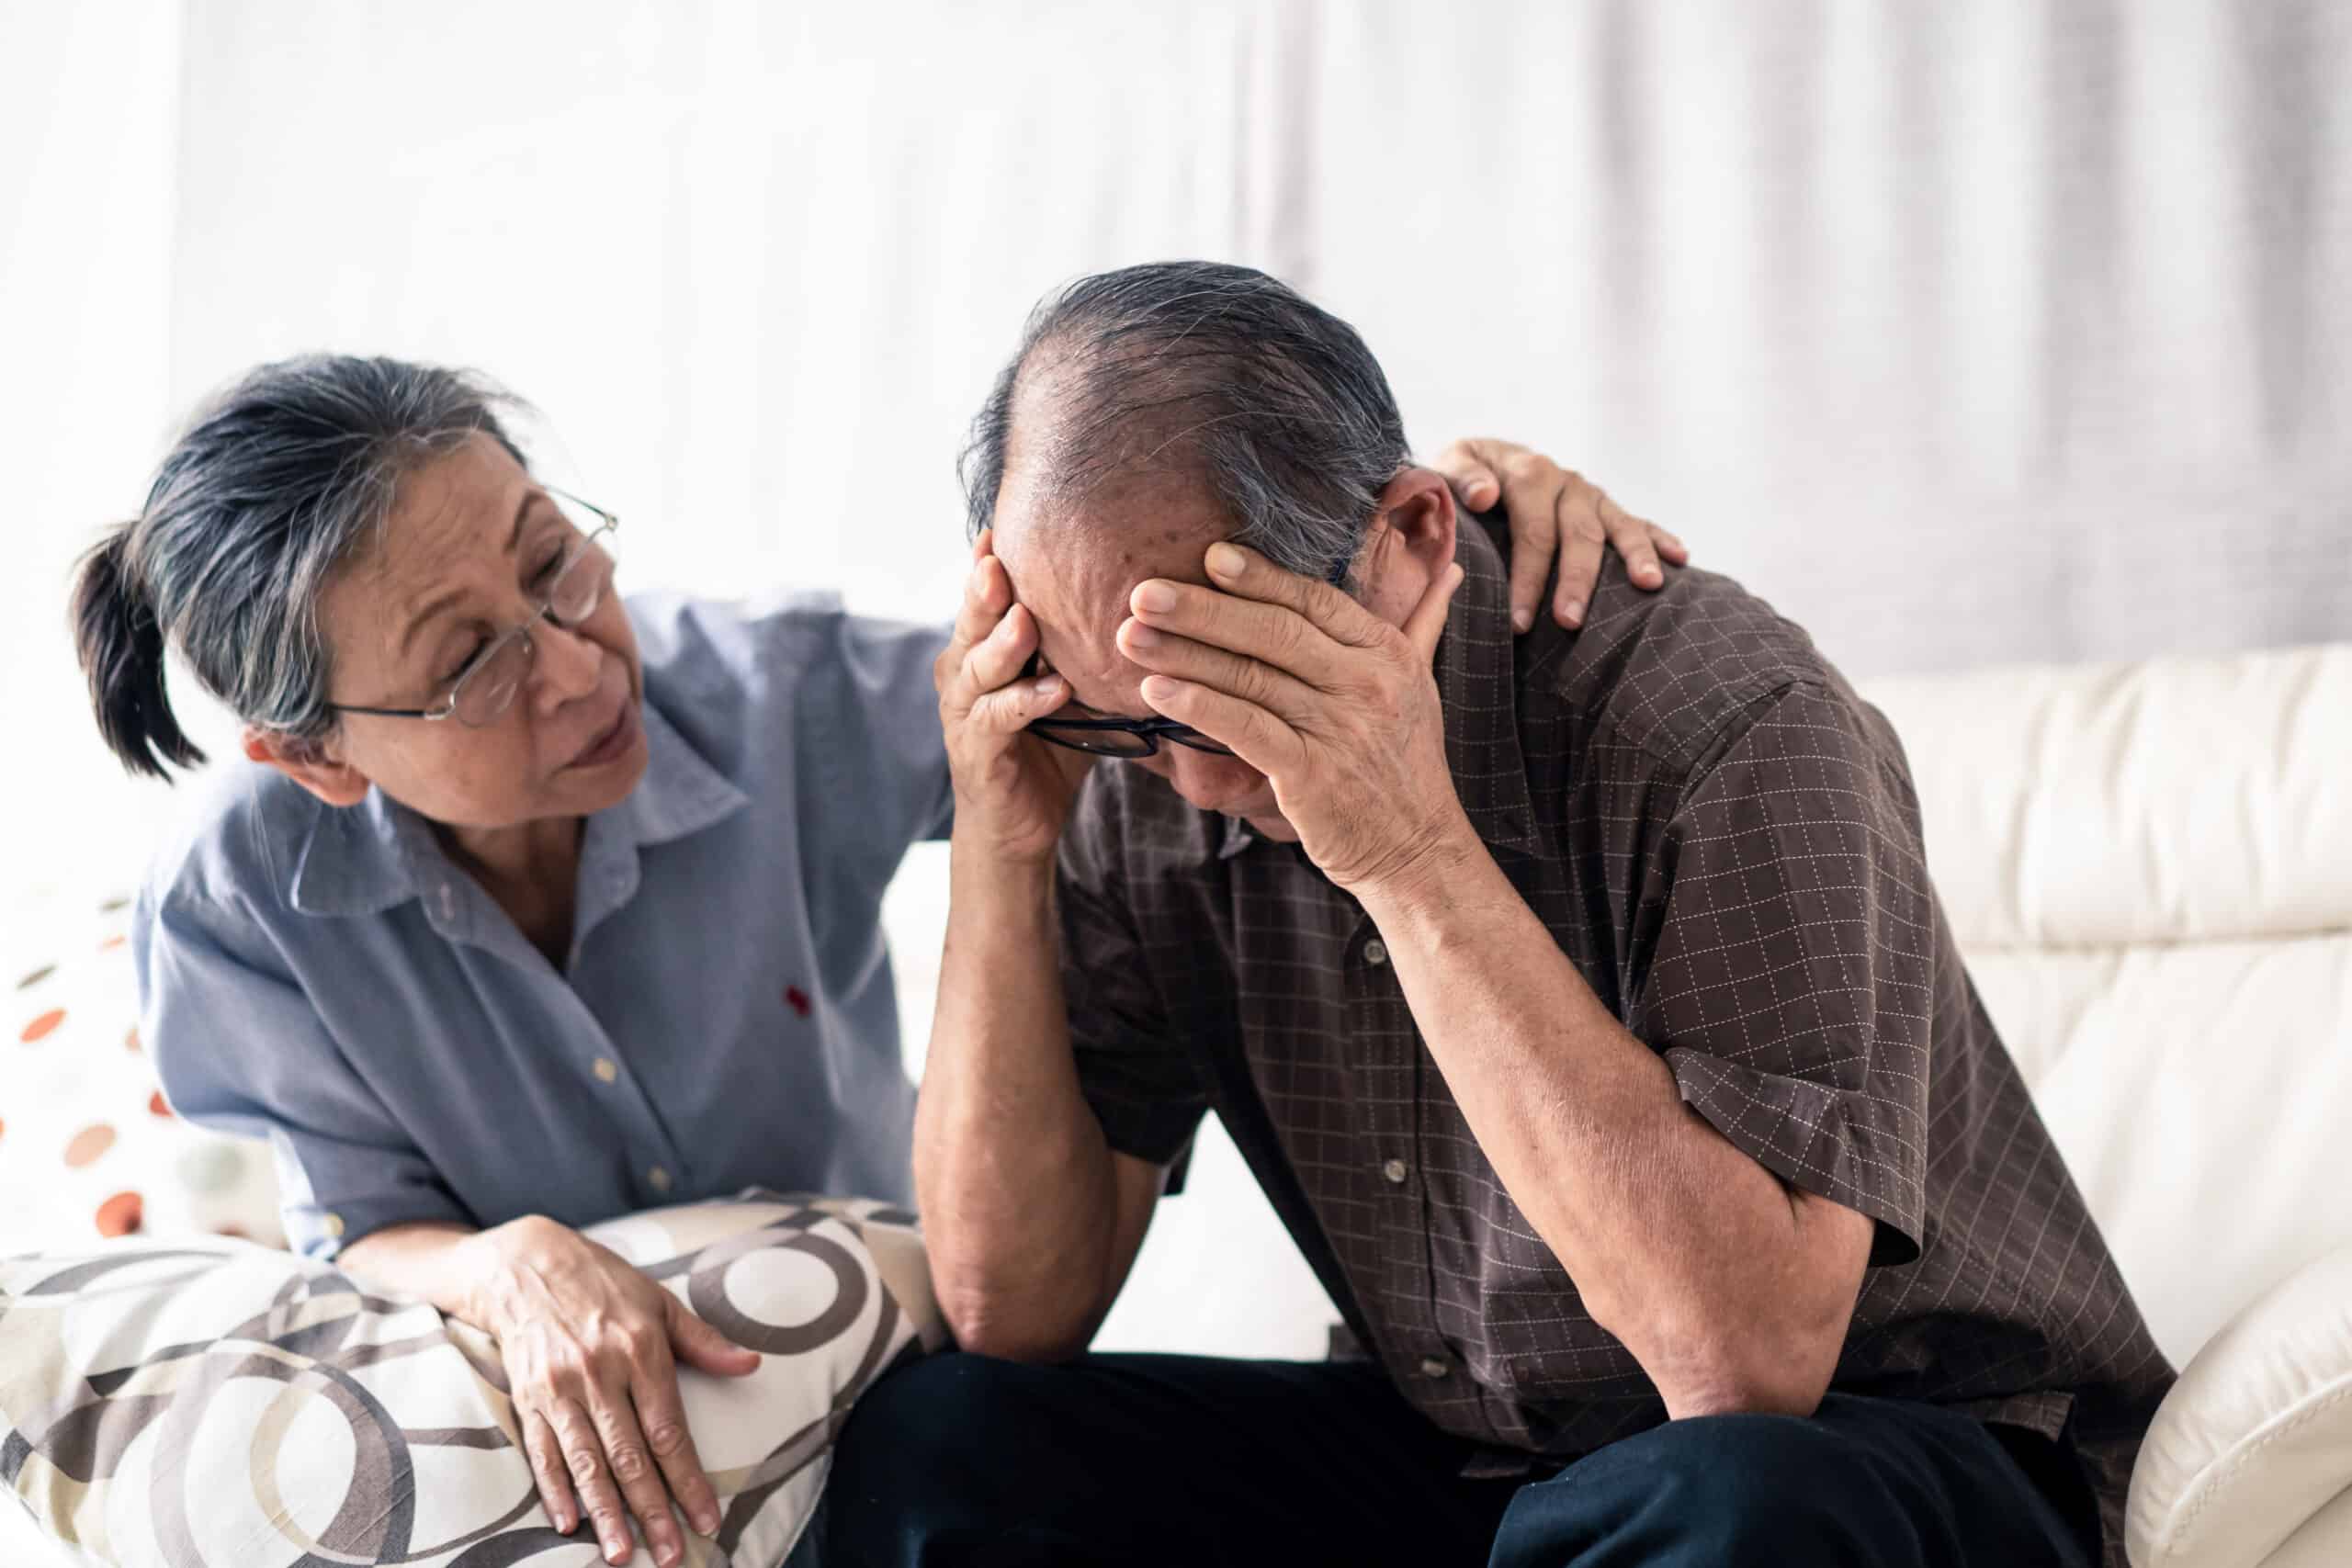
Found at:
(121, 647)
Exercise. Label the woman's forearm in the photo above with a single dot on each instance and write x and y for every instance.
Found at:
(446, 1265)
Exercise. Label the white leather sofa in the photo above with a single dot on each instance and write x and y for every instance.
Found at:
(2150, 868)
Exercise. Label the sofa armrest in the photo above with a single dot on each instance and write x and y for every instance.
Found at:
(2256, 1437)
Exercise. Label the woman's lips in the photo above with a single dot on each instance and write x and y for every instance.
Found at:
(613, 742)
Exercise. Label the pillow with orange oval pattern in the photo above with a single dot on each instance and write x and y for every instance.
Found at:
(88, 1148)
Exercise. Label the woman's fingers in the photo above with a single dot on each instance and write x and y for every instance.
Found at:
(695, 1342)
(1631, 536)
(539, 1446)
(631, 1458)
(1469, 468)
(584, 1457)
(664, 1417)
(1669, 545)
(1582, 538)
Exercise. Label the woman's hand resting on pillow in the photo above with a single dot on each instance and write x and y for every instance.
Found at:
(592, 1350)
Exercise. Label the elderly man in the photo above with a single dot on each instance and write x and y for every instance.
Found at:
(1581, 1002)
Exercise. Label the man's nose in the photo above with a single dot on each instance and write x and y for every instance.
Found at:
(1209, 782)
(566, 665)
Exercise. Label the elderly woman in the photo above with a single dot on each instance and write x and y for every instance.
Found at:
(537, 906)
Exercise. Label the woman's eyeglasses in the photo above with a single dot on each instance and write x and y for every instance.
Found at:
(482, 692)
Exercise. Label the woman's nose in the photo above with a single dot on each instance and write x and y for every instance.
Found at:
(566, 667)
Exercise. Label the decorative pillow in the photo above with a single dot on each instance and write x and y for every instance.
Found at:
(217, 1404)
(88, 1149)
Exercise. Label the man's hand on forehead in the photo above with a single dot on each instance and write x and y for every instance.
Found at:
(1337, 708)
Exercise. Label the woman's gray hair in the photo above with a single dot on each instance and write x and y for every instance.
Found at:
(1276, 403)
(277, 484)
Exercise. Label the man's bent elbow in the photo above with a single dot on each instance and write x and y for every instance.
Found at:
(987, 1327)
(1764, 1378)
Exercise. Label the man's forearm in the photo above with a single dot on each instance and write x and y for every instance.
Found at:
(1685, 1248)
(1015, 1181)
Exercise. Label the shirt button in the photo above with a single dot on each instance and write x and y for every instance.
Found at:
(1375, 952)
(332, 1225)
(605, 1071)
(660, 1177)
(1432, 1367)
(1396, 1170)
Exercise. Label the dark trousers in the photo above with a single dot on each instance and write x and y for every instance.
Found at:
(1146, 1460)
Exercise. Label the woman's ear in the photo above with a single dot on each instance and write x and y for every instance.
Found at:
(308, 764)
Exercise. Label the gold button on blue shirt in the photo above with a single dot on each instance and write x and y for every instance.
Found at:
(330, 980)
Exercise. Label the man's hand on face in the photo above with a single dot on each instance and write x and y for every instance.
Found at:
(1338, 708)
(1012, 791)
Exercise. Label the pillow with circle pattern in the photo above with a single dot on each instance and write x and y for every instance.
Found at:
(214, 1404)
(88, 1148)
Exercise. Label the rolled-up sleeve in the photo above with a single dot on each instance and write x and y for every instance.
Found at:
(1789, 987)
(1142, 1085)
(240, 1049)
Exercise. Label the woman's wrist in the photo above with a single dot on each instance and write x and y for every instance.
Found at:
(484, 1272)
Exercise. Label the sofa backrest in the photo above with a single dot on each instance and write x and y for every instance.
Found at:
(2149, 867)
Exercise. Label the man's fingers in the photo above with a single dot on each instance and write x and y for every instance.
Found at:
(1252, 734)
(539, 1446)
(664, 1417)
(988, 594)
(1467, 468)
(1427, 623)
(583, 1461)
(1164, 653)
(1010, 708)
(1248, 575)
(1631, 536)
(1668, 546)
(999, 658)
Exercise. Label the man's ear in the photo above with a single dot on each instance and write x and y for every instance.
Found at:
(1416, 508)
(308, 764)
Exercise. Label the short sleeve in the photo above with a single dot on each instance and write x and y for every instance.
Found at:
(240, 1049)
(1790, 987)
(1140, 1082)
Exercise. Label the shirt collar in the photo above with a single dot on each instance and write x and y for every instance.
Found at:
(1477, 684)
(371, 856)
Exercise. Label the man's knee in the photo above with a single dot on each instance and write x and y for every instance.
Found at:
(1731, 1490)
(935, 1445)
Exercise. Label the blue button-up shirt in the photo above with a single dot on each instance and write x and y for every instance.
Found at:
(330, 980)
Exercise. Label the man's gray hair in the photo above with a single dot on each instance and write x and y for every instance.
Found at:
(1277, 404)
(277, 484)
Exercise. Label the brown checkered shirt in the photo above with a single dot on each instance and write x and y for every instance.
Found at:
(1725, 840)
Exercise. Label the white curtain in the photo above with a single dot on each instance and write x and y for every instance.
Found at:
(2014, 331)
